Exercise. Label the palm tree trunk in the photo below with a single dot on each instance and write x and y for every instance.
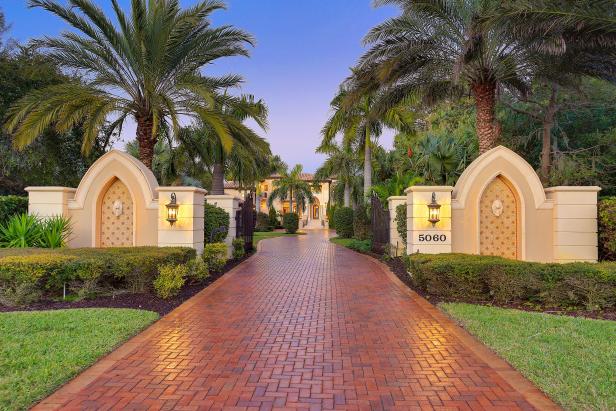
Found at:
(485, 100)
(218, 179)
(367, 165)
(546, 144)
(145, 139)
(347, 195)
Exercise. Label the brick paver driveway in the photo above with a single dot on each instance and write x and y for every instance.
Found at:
(304, 324)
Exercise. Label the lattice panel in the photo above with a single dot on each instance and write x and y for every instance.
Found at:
(117, 217)
(498, 216)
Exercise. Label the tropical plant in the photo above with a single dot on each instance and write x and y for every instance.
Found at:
(291, 186)
(55, 232)
(440, 160)
(290, 222)
(436, 50)
(341, 164)
(21, 231)
(145, 66)
(361, 125)
(395, 186)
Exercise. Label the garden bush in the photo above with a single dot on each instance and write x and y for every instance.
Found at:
(401, 221)
(363, 246)
(198, 270)
(215, 217)
(170, 280)
(343, 218)
(607, 228)
(331, 211)
(46, 271)
(273, 218)
(215, 256)
(473, 278)
(290, 222)
(263, 222)
(361, 223)
(12, 205)
(239, 247)
(25, 230)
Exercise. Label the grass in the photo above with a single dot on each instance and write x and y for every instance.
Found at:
(41, 350)
(363, 246)
(263, 235)
(573, 360)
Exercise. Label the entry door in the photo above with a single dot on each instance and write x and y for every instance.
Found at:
(499, 220)
(116, 224)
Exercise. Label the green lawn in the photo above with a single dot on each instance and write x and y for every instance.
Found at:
(39, 351)
(572, 359)
(263, 235)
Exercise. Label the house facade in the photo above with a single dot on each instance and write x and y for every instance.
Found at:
(313, 216)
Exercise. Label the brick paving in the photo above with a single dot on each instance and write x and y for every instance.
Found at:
(308, 325)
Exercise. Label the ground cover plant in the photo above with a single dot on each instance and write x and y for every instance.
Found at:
(362, 246)
(571, 359)
(39, 351)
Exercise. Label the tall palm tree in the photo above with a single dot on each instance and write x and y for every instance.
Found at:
(248, 151)
(343, 165)
(291, 186)
(361, 125)
(145, 65)
(437, 49)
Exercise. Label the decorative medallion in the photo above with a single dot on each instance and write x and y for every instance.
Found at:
(497, 207)
(118, 208)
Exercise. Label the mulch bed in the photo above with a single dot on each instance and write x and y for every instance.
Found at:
(141, 301)
(398, 267)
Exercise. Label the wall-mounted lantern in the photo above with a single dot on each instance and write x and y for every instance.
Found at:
(434, 211)
(172, 210)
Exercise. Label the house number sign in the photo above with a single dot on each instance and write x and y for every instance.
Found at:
(425, 238)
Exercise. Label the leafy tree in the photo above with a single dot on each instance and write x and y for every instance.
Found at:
(144, 66)
(395, 185)
(343, 165)
(291, 186)
(436, 50)
(361, 125)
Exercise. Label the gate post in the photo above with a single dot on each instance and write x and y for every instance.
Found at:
(188, 230)
(422, 236)
(230, 204)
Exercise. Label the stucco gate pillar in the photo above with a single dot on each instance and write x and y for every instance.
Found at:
(230, 204)
(188, 229)
(396, 243)
(47, 202)
(421, 235)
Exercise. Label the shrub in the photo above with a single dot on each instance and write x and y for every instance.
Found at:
(343, 217)
(401, 221)
(290, 222)
(361, 223)
(20, 231)
(12, 205)
(23, 277)
(198, 270)
(331, 211)
(607, 228)
(263, 222)
(215, 255)
(473, 278)
(170, 280)
(273, 218)
(215, 218)
(239, 247)
(55, 232)
(363, 246)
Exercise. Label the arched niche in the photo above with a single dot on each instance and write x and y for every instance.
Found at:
(534, 213)
(138, 182)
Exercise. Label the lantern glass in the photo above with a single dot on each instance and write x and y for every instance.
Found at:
(434, 211)
(172, 210)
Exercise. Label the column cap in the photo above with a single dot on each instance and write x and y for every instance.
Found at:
(594, 189)
(51, 188)
(396, 198)
(429, 188)
(181, 189)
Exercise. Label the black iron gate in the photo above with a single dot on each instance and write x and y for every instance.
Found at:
(245, 220)
(379, 225)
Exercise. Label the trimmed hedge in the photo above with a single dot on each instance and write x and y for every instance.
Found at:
(263, 222)
(215, 256)
(343, 218)
(27, 274)
(12, 205)
(361, 223)
(473, 278)
(215, 217)
(607, 228)
(273, 217)
(290, 222)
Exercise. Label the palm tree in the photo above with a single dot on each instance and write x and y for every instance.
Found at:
(145, 66)
(291, 186)
(248, 151)
(437, 49)
(343, 165)
(361, 126)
